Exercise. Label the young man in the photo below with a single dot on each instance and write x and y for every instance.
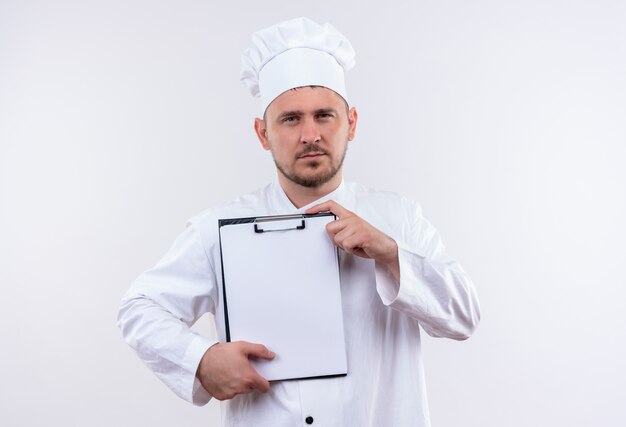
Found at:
(395, 273)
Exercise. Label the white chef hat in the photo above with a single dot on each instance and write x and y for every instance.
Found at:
(295, 53)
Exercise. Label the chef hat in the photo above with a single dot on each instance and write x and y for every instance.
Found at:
(295, 53)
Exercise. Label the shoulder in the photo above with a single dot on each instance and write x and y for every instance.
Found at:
(384, 209)
(363, 196)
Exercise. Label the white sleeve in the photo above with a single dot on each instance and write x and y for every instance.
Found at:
(433, 287)
(156, 312)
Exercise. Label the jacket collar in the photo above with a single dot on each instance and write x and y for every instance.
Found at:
(282, 205)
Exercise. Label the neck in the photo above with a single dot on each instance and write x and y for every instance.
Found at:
(302, 196)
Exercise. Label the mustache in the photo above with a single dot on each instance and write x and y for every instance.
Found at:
(311, 149)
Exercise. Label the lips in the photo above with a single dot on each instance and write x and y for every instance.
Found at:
(310, 155)
(311, 152)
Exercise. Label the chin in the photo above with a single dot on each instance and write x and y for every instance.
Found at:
(314, 180)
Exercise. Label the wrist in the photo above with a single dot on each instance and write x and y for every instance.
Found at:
(392, 261)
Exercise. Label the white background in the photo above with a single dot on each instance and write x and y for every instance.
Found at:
(506, 120)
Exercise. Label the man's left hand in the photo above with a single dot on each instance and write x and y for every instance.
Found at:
(356, 236)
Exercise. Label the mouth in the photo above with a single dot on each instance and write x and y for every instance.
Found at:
(312, 155)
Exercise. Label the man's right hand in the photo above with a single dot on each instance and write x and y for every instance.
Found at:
(225, 370)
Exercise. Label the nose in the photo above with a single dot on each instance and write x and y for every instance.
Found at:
(310, 132)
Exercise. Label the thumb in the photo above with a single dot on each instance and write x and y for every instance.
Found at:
(258, 350)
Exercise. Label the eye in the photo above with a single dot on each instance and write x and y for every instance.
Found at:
(324, 116)
(289, 119)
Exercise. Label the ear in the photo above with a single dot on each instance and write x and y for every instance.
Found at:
(352, 119)
(261, 132)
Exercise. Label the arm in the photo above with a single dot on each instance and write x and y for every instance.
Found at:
(414, 274)
(155, 318)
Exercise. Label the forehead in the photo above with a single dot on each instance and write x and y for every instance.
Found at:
(305, 99)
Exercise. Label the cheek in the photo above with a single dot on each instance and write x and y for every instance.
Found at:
(282, 137)
(278, 150)
(284, 141)
(338, 131)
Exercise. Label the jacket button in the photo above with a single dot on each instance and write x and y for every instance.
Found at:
(309, 420)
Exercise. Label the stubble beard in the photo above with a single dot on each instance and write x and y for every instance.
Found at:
(317, 179)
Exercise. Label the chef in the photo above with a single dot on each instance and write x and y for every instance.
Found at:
(396, 275)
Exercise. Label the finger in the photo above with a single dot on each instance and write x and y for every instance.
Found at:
(329, 206)
(262, 384)
(354, 245)
(339, 225)
(257, 350)
(341, 237)
(321, 207)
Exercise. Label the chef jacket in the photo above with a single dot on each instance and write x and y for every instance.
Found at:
(382, 317)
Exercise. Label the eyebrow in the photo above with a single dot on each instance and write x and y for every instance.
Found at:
(300, 113)
(290, 113)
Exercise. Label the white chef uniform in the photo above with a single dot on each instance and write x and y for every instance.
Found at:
(385, 382)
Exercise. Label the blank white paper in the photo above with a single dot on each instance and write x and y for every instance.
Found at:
(282, 291)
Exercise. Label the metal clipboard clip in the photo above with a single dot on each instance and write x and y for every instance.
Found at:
(265, 222)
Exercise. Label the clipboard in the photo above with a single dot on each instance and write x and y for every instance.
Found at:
(280, 284)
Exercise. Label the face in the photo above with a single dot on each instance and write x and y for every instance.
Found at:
(307, 130)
